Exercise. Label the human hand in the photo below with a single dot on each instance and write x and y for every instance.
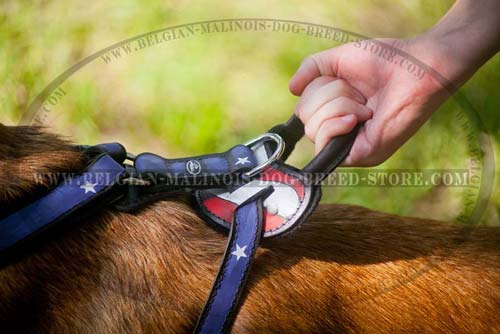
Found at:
(349, 84)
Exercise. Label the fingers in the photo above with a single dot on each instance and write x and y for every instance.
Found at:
(330, 107)
(334, 127)
(320, 64)
(309, 91)
(336, 108)
(317, 94)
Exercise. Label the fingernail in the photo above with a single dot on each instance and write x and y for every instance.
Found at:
(347, 118)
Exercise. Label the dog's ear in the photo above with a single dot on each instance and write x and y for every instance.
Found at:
(28, 155)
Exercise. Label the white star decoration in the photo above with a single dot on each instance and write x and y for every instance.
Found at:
(242, 161)
(239, 252)
(88, 187)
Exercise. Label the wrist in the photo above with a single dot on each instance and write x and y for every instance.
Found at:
(463, 40)
(446, 55)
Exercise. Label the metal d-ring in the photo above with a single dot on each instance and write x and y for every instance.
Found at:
(280, 148)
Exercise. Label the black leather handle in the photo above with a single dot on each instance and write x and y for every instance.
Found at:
(332, 155)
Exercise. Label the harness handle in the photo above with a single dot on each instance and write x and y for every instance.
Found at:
(330, 157)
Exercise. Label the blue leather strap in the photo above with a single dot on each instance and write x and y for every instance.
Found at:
(64, 199)
(208, 170)
(114, 150)
(246, 230)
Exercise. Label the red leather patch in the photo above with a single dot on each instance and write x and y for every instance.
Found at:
(224, 209)
(272, 222)
(221, 208)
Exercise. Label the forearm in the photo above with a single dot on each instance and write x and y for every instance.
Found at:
(465, 38)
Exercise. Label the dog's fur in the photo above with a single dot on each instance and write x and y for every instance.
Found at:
(347, 270)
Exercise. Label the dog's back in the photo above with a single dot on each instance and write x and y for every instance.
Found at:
(347, 270)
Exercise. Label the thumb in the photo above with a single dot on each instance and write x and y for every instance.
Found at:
(319, 64)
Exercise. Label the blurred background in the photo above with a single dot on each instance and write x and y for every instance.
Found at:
(209, 92)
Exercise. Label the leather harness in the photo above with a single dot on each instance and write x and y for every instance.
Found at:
(247, 191)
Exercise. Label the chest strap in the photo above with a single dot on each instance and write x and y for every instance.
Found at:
(221, 307)
(92, 184)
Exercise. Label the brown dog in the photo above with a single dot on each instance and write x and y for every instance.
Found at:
(347, 270)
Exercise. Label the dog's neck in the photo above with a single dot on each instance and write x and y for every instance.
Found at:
(26, 155)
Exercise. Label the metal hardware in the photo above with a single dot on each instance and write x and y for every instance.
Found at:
(280, 148)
